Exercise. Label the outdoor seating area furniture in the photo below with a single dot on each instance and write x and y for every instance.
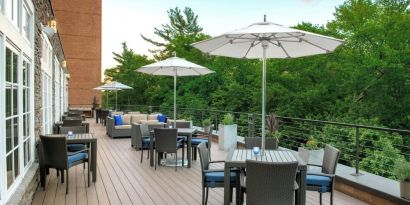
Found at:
(269, 183)
(251, 142)
(237, 158)
(54, 155)
(138, 140)
(59, 124)
(166, 142)
(324, 181)
(198, 139)
(123, 129)
(72, 122)
(212, 178)
(104, 115)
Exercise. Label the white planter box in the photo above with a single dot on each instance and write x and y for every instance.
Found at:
(227, 136)
(311, 156)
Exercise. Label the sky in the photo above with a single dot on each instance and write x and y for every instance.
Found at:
(126, 20)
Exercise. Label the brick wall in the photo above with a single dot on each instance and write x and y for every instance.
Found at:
(80, 30)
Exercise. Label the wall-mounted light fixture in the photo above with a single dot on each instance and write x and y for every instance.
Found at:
(51, 27)
(64, 64)
(68, 76)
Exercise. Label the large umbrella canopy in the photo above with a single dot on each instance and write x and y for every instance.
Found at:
(268, 40)
(113, 86)
(174, 66)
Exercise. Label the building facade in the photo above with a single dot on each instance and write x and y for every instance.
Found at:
(33, 93)
(79, 24)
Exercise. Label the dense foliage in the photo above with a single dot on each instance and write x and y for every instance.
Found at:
(367, 80)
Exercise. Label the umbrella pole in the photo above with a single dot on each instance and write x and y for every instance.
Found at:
(116, 95)
(263, 97)
(106, 98)
(175, 98)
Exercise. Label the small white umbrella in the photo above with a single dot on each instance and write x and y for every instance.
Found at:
(114, 86)
(106, 89)
(174, 66)
(268, 40)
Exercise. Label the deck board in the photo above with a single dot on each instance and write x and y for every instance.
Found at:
(122, 179)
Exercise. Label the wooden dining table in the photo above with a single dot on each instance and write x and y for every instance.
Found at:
(181, 132)
(83, 138)
(237, 159)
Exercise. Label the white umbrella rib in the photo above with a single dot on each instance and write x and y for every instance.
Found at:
(304, 40)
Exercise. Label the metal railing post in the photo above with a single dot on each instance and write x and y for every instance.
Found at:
(251, 124)
(357, 157)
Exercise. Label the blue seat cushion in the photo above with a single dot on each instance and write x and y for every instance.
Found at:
(323, 182)
(146, 141)
(76, 157)
(211, 178)
(118, 119)
(197, 141)
(75, 147)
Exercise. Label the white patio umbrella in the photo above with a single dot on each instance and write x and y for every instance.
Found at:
(114, 86)
(174, 66)
(268, 40)
(105, 89)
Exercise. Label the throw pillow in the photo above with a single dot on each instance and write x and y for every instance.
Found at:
(118, 119)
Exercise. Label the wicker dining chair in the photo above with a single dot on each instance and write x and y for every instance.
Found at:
(270, 143)
(198, 139)
(212, 178)
(138, 140)
(270, 183)
(324, 181)
(75, 130)
(54, 155)
(70, 123)
(166, 142)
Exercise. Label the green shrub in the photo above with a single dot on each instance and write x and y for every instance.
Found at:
(207, 122)
(402, 170)
(228, 119)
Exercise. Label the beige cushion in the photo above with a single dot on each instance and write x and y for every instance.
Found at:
(134, 113)
(149, 122)
(152, 117)
(117, 113)
(126, 119)
(136, 118)
(123, 127)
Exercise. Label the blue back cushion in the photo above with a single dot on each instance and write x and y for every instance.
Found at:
(162, 118)
(118, 119)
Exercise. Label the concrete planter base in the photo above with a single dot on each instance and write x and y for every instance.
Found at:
(405, 190)
(227, 137)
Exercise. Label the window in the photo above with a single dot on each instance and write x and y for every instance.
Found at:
(12, 11)
(46, 85)
(26, 114)
(27, 23)
(12, 117)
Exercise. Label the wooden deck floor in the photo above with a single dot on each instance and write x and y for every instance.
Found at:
(122, 179)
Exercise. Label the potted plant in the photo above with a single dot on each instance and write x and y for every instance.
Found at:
(206, 124)
(402, 172)
(310, 152)
(227, 133)
(272, 124)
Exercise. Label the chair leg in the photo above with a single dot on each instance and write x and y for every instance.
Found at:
(142, 153)
(203, 195)
(231, 195)
(176, 160)
(66, 184)
(155, 159)
(206, 197)
(148, 151)
(320, 197)
(62, 176)
(331, 197)
(183, 156)
(88, 177)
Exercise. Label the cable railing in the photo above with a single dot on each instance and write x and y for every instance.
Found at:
(369, 148)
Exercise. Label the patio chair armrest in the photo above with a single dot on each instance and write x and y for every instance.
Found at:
(314, 165)
(220, 161)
